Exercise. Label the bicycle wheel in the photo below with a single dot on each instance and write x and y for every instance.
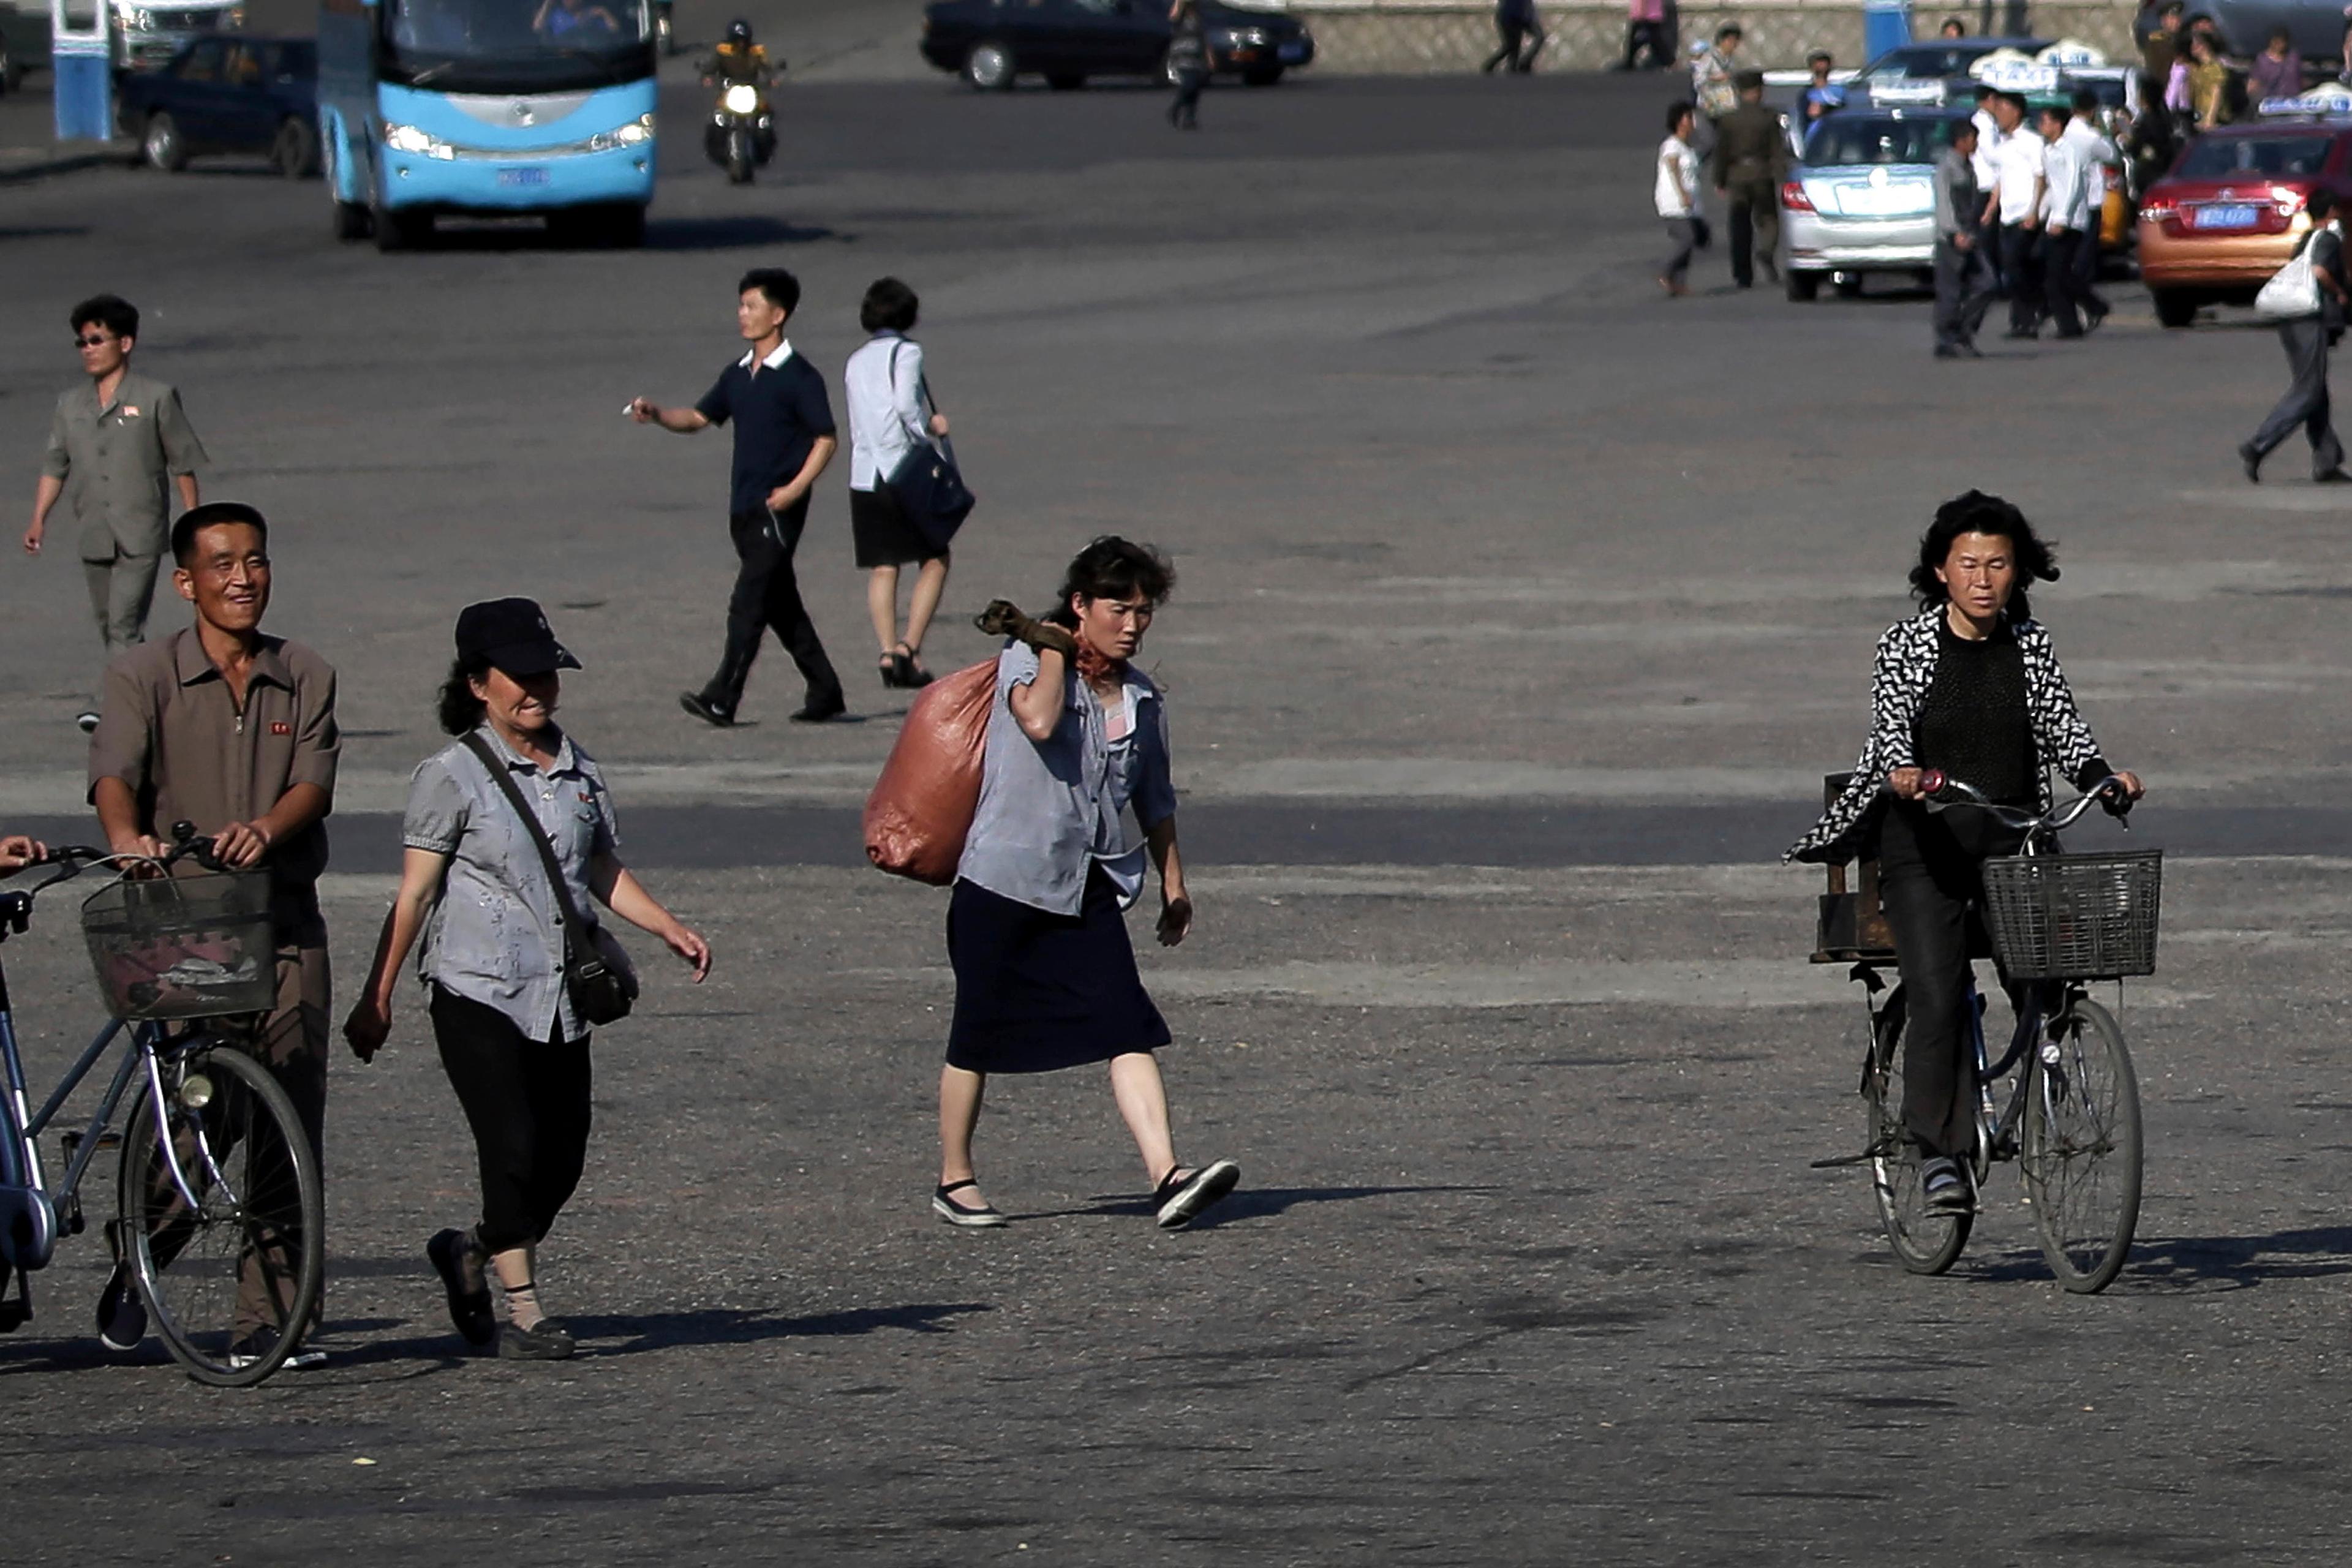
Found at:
(1923, 1242)
(256, 1230)
(2081, 1148)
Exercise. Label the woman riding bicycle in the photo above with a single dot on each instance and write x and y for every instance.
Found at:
(1970, 689)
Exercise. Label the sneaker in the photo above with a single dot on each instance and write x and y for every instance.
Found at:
(257, 1345)
(1944, 1187)
(87, 720)
(469, 1310)
(1177, 1203)
(701, 708)
(954, 1212)
(549, 1341)
(122, 1315)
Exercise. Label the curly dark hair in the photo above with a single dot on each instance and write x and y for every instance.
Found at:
(1113, 568)
(1977, 512)
(460, 710)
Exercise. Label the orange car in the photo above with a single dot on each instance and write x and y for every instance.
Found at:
(2230, 213)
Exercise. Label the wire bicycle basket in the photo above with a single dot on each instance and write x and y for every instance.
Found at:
(2074, 917)
(167, 948)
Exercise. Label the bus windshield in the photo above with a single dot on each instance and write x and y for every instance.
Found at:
(516, 46)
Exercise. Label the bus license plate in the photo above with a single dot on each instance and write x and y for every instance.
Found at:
(2227, 217)
(523, 176)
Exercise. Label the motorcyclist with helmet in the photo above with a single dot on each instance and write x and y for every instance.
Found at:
(738, 62)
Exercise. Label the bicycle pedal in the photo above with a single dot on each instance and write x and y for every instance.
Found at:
(70, 1215)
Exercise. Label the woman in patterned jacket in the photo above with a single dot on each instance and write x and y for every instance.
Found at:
(1967, 688)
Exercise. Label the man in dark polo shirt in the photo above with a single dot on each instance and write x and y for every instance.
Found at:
(783, 438)
(234, 731)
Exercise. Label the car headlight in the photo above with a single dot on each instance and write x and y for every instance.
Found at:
(635, 133)
(741, 98)
(409, 139)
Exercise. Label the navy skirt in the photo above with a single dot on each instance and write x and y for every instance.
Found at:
(1036, 991)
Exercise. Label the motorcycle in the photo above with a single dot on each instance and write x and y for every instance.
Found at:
(741, 136)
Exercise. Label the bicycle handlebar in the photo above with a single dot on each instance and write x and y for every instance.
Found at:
(1934, 782)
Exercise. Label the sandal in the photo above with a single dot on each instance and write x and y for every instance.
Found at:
(912, 676)
(469, 1310)
(956, 1213)
(1182, 1194)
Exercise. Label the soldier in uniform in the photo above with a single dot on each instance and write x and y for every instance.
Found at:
(1752, 159)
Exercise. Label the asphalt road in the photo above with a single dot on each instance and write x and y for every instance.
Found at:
(1520, 614)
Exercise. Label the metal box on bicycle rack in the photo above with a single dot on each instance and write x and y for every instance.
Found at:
(1851, 927)
(168, 948)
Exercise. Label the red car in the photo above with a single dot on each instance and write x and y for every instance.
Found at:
(2230, 213)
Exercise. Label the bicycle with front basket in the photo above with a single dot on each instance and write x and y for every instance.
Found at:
(2072, 1123)
(219, 1215)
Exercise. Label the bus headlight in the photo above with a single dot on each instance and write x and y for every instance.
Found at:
(741, 98)
(635, 133)
(409, 139)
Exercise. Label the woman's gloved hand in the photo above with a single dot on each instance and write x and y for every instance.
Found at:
(1002, 618)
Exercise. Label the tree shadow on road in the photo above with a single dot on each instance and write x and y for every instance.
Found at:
(736, 1326)
(1248, 1203)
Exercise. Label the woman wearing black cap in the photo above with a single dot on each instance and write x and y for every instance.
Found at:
(475, 887)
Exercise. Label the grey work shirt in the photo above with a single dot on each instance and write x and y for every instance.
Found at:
(1958, 202)
(171, 728)
(118, 460)
(1050, 810)
(496, 936)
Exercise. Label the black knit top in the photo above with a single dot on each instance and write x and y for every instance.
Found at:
(1972, 723)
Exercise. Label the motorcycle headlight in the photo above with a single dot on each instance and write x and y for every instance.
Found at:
(409, 139)
(741, 98)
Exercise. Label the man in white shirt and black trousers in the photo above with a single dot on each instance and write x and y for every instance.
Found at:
(783, 438)
(2063, 217)
(2018, 195)
(2096, 153)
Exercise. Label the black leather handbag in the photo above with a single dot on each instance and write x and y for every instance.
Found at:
(601, 993)
(927, 486)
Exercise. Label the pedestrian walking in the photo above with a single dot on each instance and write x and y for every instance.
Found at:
(120, 447)
(2096, 155)
(1647, 48)
(229, 727)
(784, 439)
(1714, 69)
(501, 902)
(2277, 72)
(2063, 217)
(2159, 32)
(890, 417)
(2018, 201)
(1987, 166)
(1522, 35)
(1045, 978)
(2307, 340)
(1678, 198)
(1752, 159)
(1188, 62)
(1964, 285)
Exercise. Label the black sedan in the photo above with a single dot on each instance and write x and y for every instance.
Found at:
(992, 42)
(227, 93)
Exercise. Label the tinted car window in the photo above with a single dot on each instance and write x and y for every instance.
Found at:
(1845, 140)
(203, 63)
(2219, 158)
(1933, 60)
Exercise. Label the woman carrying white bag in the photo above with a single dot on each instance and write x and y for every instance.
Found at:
(2306, 298)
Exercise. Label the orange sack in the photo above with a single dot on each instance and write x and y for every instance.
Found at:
(921, 808)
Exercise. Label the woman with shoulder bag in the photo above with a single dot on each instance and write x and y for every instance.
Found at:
(2307, 337)
(1046, 977)
(518, 968)
(889, 417)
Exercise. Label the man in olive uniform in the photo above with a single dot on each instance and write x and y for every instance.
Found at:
(1752, 159)
(118, 446)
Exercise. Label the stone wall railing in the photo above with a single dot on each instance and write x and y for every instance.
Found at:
(1442, 36)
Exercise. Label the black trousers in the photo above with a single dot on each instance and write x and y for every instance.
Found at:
(1964, 291)
(1186, 109)
(1645, 45)
(768, 596)
(1929, 884)
(2086, 276)
(528, 1103)
(1522, 40)
(1754, 228)
(2306, 403)
(2061, 289)
(2020, 263)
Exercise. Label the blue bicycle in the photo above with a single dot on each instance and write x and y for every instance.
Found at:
(220, 1223)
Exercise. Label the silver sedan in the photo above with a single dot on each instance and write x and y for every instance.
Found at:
(1862, 199)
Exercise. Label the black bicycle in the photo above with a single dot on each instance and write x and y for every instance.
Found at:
(219, 1212)
(2072, 1123)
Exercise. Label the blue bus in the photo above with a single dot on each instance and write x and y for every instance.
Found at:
(487, 108)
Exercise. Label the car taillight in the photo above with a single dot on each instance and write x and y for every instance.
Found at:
(2158, 212)
(2290, 200)
(1794, 198)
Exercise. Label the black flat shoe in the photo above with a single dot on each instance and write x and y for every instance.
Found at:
(2332, 476)
(549, 1341)
(697, 704)
(985, 1218)
(816, 715)
(912, 676)
(1177, 1201)
(2251, 461)
(469, 1310)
